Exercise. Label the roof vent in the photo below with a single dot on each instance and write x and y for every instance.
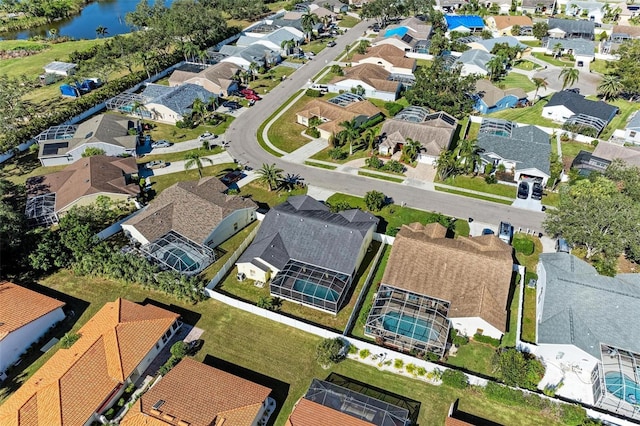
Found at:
(158, 404)
(301, 220)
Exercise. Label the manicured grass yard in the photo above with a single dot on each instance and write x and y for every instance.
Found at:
(347, 21)
(162, 182)
(471, 195)
(526, 65)
(509, 338)
(478, 184)
(515, 80)
(179, 156)
(24, 166)
(529, 315)
(620, 120)
(553, 61)
(570, 150)
(260, 194)
(285, 132)
(528, 115)
(324, 155)
(600, 66)
(228, 247)
(266, 82)
(474, 356)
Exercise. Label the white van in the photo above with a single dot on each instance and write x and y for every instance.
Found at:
(323, 88)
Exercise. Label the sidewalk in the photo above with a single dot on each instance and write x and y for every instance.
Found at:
(310, 149)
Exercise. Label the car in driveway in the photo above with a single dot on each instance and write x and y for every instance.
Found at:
(232, 177)
(488, 231)
(156, 164)
(536, 191)
(207, 135)
(252, 97)
(231, 105)
(523, 190)
(194, 346)
(331, 44)
(248, 91)
(162, 143)
(505, 232)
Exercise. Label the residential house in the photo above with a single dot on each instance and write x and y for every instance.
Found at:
(330, 404)
(77, 384)
(26, 316)
(604, 154)
(488, 44)
(502, 25)
(191, 218)
(531, 7)
(272, 40)
(464, 23)
(50, 196)
(62, 145)
(334, 5)
(171, 104)
(389, 57)
(434, 133)
(463, 283)
(410, 35)
(220, 79)
(322, 12)
(583, 327)
(490, 98)
(570, 28)
(194, 394)
(474, 62)
(594, 11)
(374, 80)
(450, 6)
(64, 69)
(619, 35)
(572, 108)
(582, 50)
(295, 249)
(632, 129)
(344, 107)
(258, 54)
(525, 151)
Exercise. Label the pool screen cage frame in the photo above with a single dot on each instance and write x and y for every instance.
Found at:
(391, 299)
(356, 404)
(282, 284)
(172, 239)
(41, 210)
(497, 126)
(625, 363)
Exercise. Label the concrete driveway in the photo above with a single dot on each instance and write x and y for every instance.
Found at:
(588, 82)
(178, 166)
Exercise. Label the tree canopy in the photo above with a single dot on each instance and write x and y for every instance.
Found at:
(627, 68)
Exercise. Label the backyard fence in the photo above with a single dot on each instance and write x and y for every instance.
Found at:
(230, 262)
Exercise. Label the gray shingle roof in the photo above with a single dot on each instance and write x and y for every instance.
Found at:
(572, 26)
(490, 43)
(305, 230)
(583, 308)
(178, 98)
(579, 46)
(577, 104)
(475, 57)
(527, 145)
(634, 123)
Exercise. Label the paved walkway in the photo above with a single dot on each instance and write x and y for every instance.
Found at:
(310, 149)
(178, 166)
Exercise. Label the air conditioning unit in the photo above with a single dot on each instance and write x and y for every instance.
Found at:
(241, 276)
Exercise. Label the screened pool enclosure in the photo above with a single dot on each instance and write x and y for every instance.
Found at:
(409, 321)
(176, 252)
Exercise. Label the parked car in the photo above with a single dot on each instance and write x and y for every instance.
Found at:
(505, 232)
(248, 91)
(162, 143)
(331, 44)
(252, 102)
(232, 177)
(487, 231)
(536, 191)
(562, 246)
(194, 346)
(523, 190)
(252, 97)
(156, 164)
(207, 135)
(231, 105)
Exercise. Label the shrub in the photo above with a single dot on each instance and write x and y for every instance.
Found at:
(340, 206)
(421, 371)
(68, 340)
(364, 353)
(313, 93)
(91, 151)
(374, 200)
(458, 339)
(167, 366)
(572, 415)
(523, 244)
(374, 162)
(372, 122)
(337, 154)
(353, 350)
(490, 179)
(486, 339)
(364, 314)
(398, 363)
(504, 394)
(329, 351)
(393, 166)
(488, 169)
(518, 369)
(121, 402)
(313, 132)
(411, 369)
(130, 388)
(455, 379)
(430, 356)
(110, 413)
(179, 349)
(393, 107)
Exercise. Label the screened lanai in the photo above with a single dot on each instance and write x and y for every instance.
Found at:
(317, 287)
(617, 388)
(129, 103)
(583, 120)
(409, 321)
(41, 210)
(497, 126)
(176, 252)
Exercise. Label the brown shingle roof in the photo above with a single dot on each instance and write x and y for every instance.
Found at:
(214, 78)
(473, 274)
(434, 135)
(506, 21)
(74, 382)
(309, 413)
(200, 396)
(336, 114)
(389, 53)
(630, 30)
(492, 94)
(191, 208)
(370, 74)
(99, 174)
(19, 306)
(610, 151)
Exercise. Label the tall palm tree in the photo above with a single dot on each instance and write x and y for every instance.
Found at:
(199, 109)
(557, 49)
(194, 158)
(362, 47)
(347, 50)
(350, 133)
(308, 20)
(468, 154)
(539, 82)
(138, 108)
(610, 87)
(270, 174)
(101, 31)
(495, 66)
(190, 51)
(410, 150)
(569, 76)
(447, 165)
(369, 137)
(253, 69)
(287, 45)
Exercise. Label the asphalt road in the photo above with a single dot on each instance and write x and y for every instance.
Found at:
(244, 147)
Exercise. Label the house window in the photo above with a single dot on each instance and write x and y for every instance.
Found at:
(164, 339)
(235, 226)
(252, 272)
(632, 134)
(479, 331)
(167, 334)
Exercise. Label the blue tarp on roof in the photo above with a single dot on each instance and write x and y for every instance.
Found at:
(400, 32)
(467, 21)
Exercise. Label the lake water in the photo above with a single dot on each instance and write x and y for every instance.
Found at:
(108, 13)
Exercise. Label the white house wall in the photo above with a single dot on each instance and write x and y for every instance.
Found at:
(395, 42)
(163, 114)
(18, 341)
(470, 326)
(531, 172)
(632, 135)
(388, 66)
(369, 92)
(468, 69)
(76, 154)
(229, 226)
(135, 234)
(237, 60)
(557, 113)
(56, 161)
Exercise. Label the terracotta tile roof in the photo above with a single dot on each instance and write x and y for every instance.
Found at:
(200, 396)
(506, 21)
(450, 421)
(373, 75)
(191, 208)
(19, 306)
(474, 274)
(99, 174)
(309, 413)
(389, 53)
(71, 386)
(336, 114)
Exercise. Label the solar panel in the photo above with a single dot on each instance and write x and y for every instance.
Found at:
(52, 148)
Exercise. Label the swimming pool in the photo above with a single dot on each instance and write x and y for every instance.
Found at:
(408, 326)
(179, 258)
(318, 291)
(622, 387)
(400, 32)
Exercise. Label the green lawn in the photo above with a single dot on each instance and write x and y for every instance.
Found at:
(316, 45)
(179, 156)
(320, 165)
(514, 80)
(227, 248)
(620, 120)
(174, 134)
(347, 21)
(600, 66)
(532, 43)
(474, 128)
(477, 196)
(24, 166)
(381, 104)
(527, 115)
(285, 132)
(248, 292)
(423, 63)
(162, 182)
(260, 130)
(266, 82)
(562, 62)
(529, 315)
(327, 78)
(474, 356)
(570, 150)
(526, 65)
(478, 184)
(381, 177)
(509, 338)
(261, 194)
(324, 155)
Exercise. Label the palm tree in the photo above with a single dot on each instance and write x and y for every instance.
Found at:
(308, 20)
(199, 108)
(495, 66)
(557, 49)
(347, 48)
(139, 108)
(325, 21)
(286, 46)
(350, 133)
(410, 150)
(190, 51)
(610, 86)
(253, 68)
(194, 158)
(468, 154)
(569, 76)
(362, 47)
(447, 165)
(270, 174)
(369, 137)
(101, 31)
(539, 82)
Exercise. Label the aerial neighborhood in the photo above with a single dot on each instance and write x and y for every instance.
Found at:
(319, 213)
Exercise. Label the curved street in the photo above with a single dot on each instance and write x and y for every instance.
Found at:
(244, 147)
